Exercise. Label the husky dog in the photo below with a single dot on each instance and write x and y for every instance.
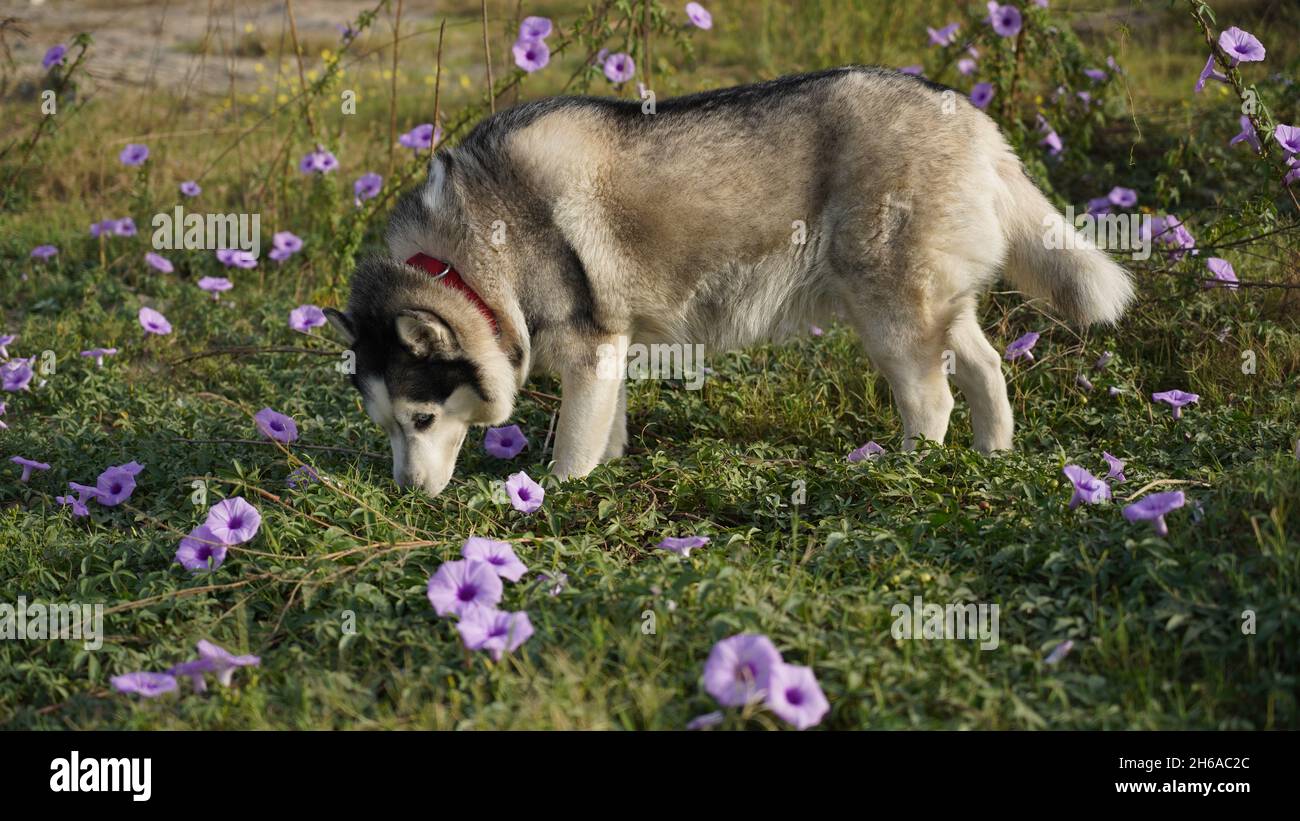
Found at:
(560, 230)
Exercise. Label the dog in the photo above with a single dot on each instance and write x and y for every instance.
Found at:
(560, 229)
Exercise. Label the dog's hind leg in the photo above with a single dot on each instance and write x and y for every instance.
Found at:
(978, 374)
(618, 432)
(588, 408)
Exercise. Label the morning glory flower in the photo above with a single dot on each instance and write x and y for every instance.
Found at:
(457, 585)
(16, 374)
(486, 628)
(158, 262)
(682, 546)
(699, 16)
(1087, 488)
(619, 67)
(1053, 142)
(5, 341)
(504, 443)
(303, 474)
(193, 670)
(223, 662)
(1059, 653)
(190, 188)
(319, 161)
(154, 322)
(367, 187)
(125, 227)
(1170, 230)
(535, 28)
(914, 70)
(500, 556)
(134, 154)
(44, 251)
(132, 468)
(56, 55)
(198, 547)
(525, 495)
(1083, 382)
(1095, 74)
(739, 669)
(1210, 72)
(943, 36)
(231, 257)
(99, 353)
(78, 505)
(275, 425)
(531, 55)
(965, 66)
(1005, 19)
(1116, 465)
(233, 521)
(981, 95)
(1223, 273)
(794, 695)
(703, 722)
(305, 317)
(422, 136)
(215, 285)
(1243, 46)
(1176, 400)
(1123, 197)
(148, 685)
(1247, 135)
(1022, 347)
(1103, 361)
(867, 452)
(1288, 136)
(1152, 508)
(28, 466)
(114, 486)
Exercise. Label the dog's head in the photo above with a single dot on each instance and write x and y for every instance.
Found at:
(428, 364)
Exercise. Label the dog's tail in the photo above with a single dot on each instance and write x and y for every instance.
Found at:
(1080, 281)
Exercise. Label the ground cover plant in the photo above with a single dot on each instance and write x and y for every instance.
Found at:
(180, 447)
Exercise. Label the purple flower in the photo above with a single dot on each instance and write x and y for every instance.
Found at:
(1103, 361)
(193, 670)
(28, 466)
(190, 188)
(275, 425)
(44, 251)
(1116, 465)
(305, 317)
(132, 468)
(525, 494)
(739, 669)
(1022, 347)
(134, 154)
(1096, 75)
(153, 322)
(498, 555)
(367, 187)
(79, 508)
(981, 95)
(148, 685)
(1123, 197)
(319, 161)
(346, 33)
(966, 67)
(1176, 400)
(5, 341)
(16, 374)
(303, 474)
(231, 257)
(1288, 136)
(1169, 230)
(422, 136)
(504, 443)
(457, 585)
(99, 354)
(703, 722)
(233, 521)
(943, 36)
(684, 545)
(114, 486)
(215, 285)
(198, 547)
(619, 67)
(1210, 72)
(699, 16)
(1152, 508)
(867, 452)
(1083, 382)
(1005, 19)
(914, 70)
(815, 330)
(1243, 46)
(1053, 143)
(158, 262)
(223, 662)
(1223, 272)
(1059, 653)
(531, 55)
(535, 28)
(125, 227)
(1247, 135)
(794, 695)
(286, 241)
(54, 56)
(1087, 488)
(486, 628)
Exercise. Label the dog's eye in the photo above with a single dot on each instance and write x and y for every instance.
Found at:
(422, 420)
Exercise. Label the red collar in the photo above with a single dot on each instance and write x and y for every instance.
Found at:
(450, 277)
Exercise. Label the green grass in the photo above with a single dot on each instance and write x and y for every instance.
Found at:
(1156, 621)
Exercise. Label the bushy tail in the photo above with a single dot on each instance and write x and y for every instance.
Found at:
(1080, 281)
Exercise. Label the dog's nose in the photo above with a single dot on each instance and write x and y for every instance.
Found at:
(410, 478)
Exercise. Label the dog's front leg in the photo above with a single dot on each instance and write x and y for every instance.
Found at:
(587, 410)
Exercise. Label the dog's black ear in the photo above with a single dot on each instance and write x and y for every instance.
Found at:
(425, 334)
(343, 324)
